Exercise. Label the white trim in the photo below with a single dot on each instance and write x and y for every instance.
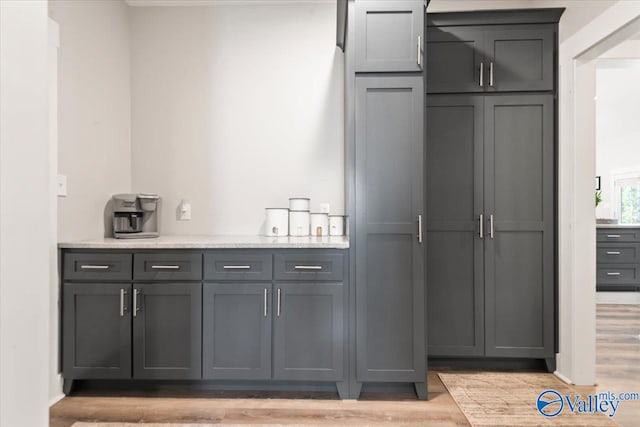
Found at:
(562, 377)
(56, 399)
(185, 3)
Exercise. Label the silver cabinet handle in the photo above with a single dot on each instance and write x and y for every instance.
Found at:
(613, 236)
(122, 309)
(491, 74)
(165, 267)
(236, 267)
(613, 253)
(278, 304)
(419, 228)
(491, 226)
(308, 267)
(94, 267)
(481, 223)
(419, 50)
(613, 274)
(481, 74)
(265, 302)
(136, 292)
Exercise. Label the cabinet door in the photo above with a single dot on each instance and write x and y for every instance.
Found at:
(520, 59)
(237, 331)
(96, 331)
(519, 193)
(455, 60)
(455, 249)
(389, 35)
(390, 299)
(308, 332)
(167, 326)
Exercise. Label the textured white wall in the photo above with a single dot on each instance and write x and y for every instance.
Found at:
(236, 108)
(617, 125)
(94, 100)
(24, 214)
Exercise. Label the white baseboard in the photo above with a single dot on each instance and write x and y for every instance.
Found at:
(562, 377)
(617, 297)
(56, 399)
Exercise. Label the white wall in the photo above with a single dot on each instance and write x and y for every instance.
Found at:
(236, 108)
(24, 212)
(617, 125)
(94, 111)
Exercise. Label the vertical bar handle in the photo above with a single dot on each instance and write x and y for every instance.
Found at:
(491, 226)
(419, 228)
(419, 52)
(136, 292)
(265, 302)
(278, 305)
(481, 223)
(122, 309)
(481, 74)
(491, 74)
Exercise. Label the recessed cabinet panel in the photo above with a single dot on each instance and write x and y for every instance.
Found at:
(92, 266)
(173, 266)
(520, 60)
(97, 330)
(167, 330)
(389, 35)
(237, 330)
(308, 331)
(454, 60)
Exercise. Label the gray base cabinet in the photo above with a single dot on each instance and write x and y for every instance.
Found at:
(97, 331)
(167, 331)
(618, 259)
(308, 331)
(237, 330)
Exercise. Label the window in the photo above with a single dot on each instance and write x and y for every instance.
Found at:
(627, 193)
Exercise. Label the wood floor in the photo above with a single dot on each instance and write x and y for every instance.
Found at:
(618, 364)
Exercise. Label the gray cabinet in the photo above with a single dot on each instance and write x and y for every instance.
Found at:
(237, 330)
(390, 299)
(389, 35)
(96, 324)
(490, 207)
(519, 202)
(308, 331)
(618, 259)
(167, 337)
(490, 58)
(454, 215)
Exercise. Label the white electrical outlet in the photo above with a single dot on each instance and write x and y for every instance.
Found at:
(62, 186)
(184, 211)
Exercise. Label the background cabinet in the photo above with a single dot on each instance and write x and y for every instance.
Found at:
(389, 35)
(490, 58)
(389, 202)
(490, 204)
(618, 259)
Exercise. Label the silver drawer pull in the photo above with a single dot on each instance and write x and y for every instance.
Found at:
(165, 267)
(237, 267)
(613, 274)
(122, 307)
(94, 267)
(613, 253)
(613, 236)
(308, 267)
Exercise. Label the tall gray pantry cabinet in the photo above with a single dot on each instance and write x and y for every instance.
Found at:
(385, 141)
(491, 184)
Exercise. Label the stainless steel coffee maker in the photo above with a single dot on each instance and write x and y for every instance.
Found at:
(135, 216)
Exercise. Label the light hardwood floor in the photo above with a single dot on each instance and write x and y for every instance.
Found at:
(618, 364)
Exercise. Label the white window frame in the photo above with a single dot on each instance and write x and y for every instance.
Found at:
(619, 178)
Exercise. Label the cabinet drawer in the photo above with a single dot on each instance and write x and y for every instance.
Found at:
(167, 266)
(311, 266)
(618, 274)
(618, 235)
(223, 266)
(97, 266)
(618, 254)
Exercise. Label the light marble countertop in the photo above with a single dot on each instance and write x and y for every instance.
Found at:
(617, 225)
(211, 242)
